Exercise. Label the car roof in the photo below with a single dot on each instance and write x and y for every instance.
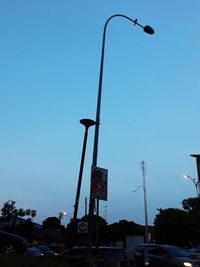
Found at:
(100, 247)
(12, 236)
(155, 245)
(35, 249)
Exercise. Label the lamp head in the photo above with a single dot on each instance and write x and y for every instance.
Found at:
(87, 122)
(148, 29)
(195, 155)
(185, 176)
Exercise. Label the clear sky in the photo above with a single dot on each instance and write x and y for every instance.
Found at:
(49, 68)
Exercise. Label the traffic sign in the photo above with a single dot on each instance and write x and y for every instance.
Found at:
(82, 227)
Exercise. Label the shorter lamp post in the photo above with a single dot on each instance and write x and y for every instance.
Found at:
(87, 123)
(61, 215)
(197, 156)
(194, 180)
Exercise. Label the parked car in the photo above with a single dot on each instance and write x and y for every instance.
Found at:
(195, 252)
(157, 255)
(45, 250)
(11, 244)
(33, 252)
(114, 255)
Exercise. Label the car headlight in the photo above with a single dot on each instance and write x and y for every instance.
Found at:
(187, 264)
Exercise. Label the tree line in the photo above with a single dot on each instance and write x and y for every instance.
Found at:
(173, 226)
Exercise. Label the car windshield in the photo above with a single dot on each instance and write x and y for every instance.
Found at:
(113, 254)
(33, 251)
(177, 252)
(196, 249)
(45, 249)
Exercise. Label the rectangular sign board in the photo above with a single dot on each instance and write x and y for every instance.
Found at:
(99, 183)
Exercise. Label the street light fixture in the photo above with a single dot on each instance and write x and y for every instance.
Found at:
(61, 215)
(147, 29)
(197, 156)
(194, 180)
(87, 123)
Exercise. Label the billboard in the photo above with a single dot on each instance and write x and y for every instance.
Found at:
(99, 183)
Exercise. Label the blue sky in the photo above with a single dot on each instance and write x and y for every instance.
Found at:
(49, 68)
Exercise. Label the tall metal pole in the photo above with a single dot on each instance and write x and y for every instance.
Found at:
(146, 29)
(145, 202)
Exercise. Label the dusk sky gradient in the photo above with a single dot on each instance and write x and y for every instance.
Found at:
(49, 70)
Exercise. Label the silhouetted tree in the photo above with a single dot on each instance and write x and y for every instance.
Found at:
(9, 212)
(119, 230)
(26, 230)
(73, 237)
(99, 231)
(172, 226)
(192, 207)
(51, 223)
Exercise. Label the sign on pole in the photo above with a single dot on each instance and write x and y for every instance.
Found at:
(99, 183)
(82, 227)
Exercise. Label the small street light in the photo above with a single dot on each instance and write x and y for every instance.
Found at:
(194, 180)
(62, 214)
(197, 157)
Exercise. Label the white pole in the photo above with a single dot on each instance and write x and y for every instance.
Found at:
(145, 202)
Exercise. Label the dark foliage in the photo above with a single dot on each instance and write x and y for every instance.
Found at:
(26, 230)
(179, 227)
(119, 230)
(9, 212)
(51, 223)
(171, 227)
(98, 227)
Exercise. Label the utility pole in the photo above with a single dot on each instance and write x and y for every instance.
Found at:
(143, 168)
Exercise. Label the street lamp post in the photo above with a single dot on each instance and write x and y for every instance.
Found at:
(195, 182)
(197, 156)
(146, 29)
(87, 123)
